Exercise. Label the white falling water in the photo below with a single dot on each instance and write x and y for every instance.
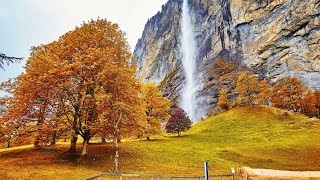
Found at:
(188, 46)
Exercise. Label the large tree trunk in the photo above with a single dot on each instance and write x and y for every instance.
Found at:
(54, 138)
(85, 147)
(9, 143)
(86, 139)
(103, 140)
(116, 157)
(73, 143)
(36, 143)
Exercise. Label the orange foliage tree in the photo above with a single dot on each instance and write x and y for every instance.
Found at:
(83, 82)
(276, 96)
(157, 109)
(247, 89)
(308, 104)
(288, 94)
(265, 93)
(317, 102)
(292, 93)
(121, 109)
(223, 102)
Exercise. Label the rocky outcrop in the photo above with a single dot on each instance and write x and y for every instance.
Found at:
(274, 38)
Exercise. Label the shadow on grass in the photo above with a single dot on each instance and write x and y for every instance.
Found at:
(176, 136)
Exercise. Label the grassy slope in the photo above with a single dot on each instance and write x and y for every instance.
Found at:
(255, 137)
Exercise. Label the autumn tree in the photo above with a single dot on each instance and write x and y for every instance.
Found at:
(276, 95)
(223, 102)
(85, 80)
(265, 95)
(157, 109)
(308, 104)
(7, 132)
(316, 95)
(291, 92)
(178, 122)
(96, 83)
(94, 64)
(124, 111)
(247, 89)
(34, 97)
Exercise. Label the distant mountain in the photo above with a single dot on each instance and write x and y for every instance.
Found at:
(273, 38)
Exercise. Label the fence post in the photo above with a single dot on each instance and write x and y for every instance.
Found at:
(233, 171)
(206, 171)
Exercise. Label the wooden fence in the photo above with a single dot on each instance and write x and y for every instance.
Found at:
(247, 173)
(156, 177)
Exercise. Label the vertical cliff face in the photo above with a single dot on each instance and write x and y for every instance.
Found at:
(273, 38)
(157, 51)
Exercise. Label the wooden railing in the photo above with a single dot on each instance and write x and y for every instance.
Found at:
(156, 177)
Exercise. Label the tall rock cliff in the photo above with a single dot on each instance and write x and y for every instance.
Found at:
(273, 38)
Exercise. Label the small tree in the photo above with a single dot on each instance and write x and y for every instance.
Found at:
(223, 102)
(265, 93)
(178, 122)
(316, 95)
(292, 92)
(157, 107)
(276, 98)
(247, 89)
(308, 104)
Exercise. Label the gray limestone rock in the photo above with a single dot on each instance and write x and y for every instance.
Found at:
(274, 38)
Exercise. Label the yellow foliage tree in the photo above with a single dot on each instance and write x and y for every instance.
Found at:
(87, 80)
(223, 102)
(265, 93)
(292, 93)
(247, 89)
(157, 109)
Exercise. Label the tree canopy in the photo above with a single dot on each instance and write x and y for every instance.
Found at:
(83, 83)
(178, 122)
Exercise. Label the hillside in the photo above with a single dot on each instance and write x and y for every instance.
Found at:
(254, 137)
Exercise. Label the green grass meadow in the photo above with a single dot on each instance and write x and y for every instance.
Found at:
(252, 136)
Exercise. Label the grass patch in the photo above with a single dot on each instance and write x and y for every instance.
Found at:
(255, 137)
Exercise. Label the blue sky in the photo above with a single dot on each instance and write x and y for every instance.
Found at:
(26, 23)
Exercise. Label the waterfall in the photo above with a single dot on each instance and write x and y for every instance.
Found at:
(188, 48)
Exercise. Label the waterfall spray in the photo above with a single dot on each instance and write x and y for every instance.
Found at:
(188, 45)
